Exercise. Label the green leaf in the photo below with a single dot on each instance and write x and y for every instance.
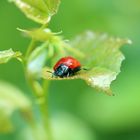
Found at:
(52, 5)
(56, 43)
(40, 11)
(102, 59)
(37, 60)
(42, 35)
(11, 99)
(7, 55)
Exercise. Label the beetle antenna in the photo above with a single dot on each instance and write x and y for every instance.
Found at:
(49, 71)
(84, 69)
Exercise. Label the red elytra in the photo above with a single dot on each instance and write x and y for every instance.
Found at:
(69, 61)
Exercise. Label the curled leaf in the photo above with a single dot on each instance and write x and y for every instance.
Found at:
(102, 59)
(37, 60)
(7, 55)
(38, 10)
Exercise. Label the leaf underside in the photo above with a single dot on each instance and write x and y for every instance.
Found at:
(39, 11)
(102, 59)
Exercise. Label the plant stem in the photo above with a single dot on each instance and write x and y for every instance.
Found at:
(30, 48)
(44, 109)
(42, 100)
(40, 95)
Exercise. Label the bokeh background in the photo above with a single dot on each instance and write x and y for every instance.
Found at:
(78, 111)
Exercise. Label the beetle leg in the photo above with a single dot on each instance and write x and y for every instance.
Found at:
(52, 76)
(68, 74)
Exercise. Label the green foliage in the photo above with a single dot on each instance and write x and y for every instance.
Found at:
(99, 53)
(7, 55)
(66, 126)
(102, 58)
(37, 59)
(41, 35)
(40, 11)
(11, 99)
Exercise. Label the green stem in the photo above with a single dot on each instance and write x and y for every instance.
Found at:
(32, 43)
(45, 119)
(44, 109)
(42, 100)
(30, 48)
(40, 93)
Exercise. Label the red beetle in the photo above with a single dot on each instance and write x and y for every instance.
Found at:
(66, 66)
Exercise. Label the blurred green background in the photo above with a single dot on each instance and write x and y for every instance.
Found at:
(79, 112)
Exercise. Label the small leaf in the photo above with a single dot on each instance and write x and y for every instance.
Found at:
(38, 10)
(7, 55)
(56, 43)
(42, 35)
(11, 99)
(37, 60)
(102, 59)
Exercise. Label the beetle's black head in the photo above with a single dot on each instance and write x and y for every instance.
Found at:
(61, 71)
